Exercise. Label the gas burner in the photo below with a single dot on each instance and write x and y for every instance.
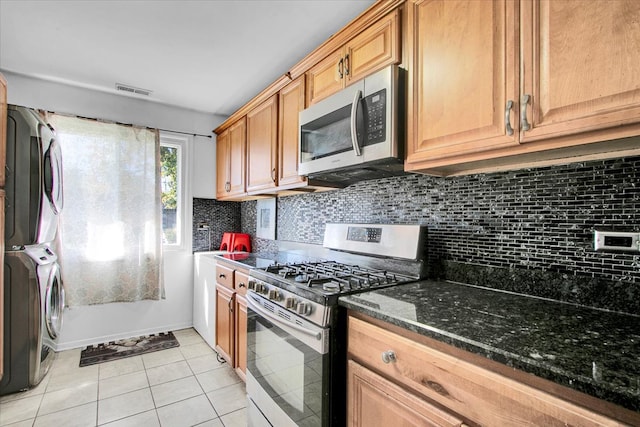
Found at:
(334, 277)
(331, 287)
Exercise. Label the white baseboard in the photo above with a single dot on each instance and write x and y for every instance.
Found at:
(129, 334)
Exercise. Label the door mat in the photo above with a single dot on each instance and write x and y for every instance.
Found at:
(120, 349)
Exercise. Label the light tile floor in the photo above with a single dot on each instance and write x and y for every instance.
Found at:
(183, 386)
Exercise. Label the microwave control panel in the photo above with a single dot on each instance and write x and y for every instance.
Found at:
(375, 116)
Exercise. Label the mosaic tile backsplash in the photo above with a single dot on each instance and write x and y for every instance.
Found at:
(219, 217)
(528, 231)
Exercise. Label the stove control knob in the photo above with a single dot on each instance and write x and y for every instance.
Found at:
(289, 302)
(252, 285)
(274, 295)
(303, 309)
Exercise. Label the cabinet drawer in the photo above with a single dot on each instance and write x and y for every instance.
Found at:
(240, 281)
(224, 276)
(476, 393)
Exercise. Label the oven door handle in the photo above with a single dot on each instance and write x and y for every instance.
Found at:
(354, 126)
(264, 313)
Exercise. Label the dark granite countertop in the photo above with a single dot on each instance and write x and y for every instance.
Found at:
(593, 351)
(249, 260)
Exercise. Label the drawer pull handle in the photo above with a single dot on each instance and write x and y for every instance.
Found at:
(388, 356)
(241, 285)
(222, 275)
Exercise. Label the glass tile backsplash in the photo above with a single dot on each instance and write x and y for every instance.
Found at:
(528, 231)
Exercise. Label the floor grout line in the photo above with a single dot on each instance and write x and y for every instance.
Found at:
(66, 368)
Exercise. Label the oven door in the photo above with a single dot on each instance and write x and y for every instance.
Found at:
(287, 367)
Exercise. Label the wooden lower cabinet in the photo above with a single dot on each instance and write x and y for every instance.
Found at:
(240, 282)
(376, 401)
(225, 333)
(240, 364)
(231, 317)
(394, 378)
(3, 148)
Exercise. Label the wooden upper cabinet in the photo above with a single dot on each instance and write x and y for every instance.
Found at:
(369, 51)
(510, 78)
(291, 102)
(237, 154)
(325, 78)
(230, 161)
(465, 73)
(373, 49)
(262, 146)
(223, 163)
(580, 65)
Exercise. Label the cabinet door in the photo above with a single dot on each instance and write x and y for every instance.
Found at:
(2, 202)
(3, 131)
(374, 401)
(373, 49)
(262, 145)
(580, 64)
(3, 158)
(225, 323)
(241, 336)
(237, 157)
(290, 104)
(223, 157)
(465, 71)
(326, 77)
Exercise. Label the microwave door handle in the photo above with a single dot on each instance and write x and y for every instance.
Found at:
(354, 130)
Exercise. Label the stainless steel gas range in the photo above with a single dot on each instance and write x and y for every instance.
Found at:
(296, 339)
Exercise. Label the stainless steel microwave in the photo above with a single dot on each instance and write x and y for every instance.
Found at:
(354, 133)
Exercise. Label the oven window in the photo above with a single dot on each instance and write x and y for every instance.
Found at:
(288, 370)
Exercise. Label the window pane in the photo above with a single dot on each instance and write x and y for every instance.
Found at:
(170, 161)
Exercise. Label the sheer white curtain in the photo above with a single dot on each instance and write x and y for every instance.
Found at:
(111, 225)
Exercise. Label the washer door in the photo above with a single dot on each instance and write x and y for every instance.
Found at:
(54, 302)
(53, 176)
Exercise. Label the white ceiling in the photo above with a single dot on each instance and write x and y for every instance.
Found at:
(207, 55)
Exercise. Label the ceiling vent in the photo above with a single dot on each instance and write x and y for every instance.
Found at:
(131, 89)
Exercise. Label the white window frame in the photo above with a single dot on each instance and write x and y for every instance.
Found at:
(183, 212)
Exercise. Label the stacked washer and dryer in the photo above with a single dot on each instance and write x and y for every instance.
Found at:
(33, 289)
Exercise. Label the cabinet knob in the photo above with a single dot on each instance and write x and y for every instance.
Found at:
(388, 356)
(242, 285)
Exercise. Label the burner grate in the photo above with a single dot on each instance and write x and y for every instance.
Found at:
(333, 277)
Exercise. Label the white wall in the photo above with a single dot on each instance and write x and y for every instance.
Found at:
(85, 325)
